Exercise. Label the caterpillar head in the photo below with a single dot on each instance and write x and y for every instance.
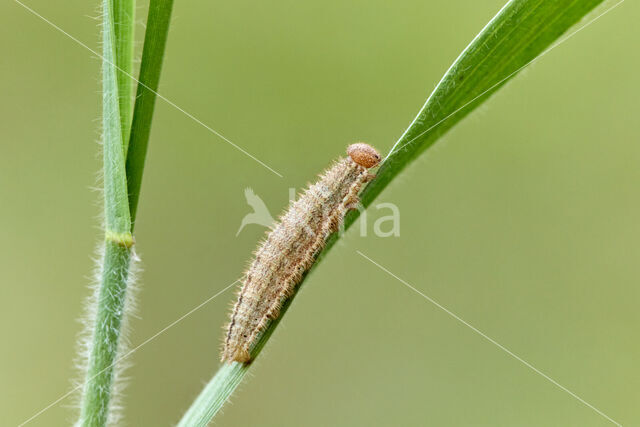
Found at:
(364, 155)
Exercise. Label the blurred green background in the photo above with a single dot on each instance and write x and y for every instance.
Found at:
(523, 220)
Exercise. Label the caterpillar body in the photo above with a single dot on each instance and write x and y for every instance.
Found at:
(289, 249)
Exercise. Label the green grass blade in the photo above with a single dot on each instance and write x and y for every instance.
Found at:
(223, 384)
(124, 32)
(521, 31)
(155, 40)
(109, 312)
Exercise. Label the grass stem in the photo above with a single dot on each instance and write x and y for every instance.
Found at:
(105, 337)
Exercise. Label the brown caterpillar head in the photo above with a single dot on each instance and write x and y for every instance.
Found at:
(364, 154)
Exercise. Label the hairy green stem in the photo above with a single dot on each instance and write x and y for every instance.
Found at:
(520, 32)
(115, 264)
(101, 372)
(155, 40)
(124, 132)
(124, 30)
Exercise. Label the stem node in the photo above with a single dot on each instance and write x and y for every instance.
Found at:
(121, 239)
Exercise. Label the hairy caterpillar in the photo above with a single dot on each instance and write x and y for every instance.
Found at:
(290, 248)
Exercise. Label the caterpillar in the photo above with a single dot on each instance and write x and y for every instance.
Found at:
(290, 248)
